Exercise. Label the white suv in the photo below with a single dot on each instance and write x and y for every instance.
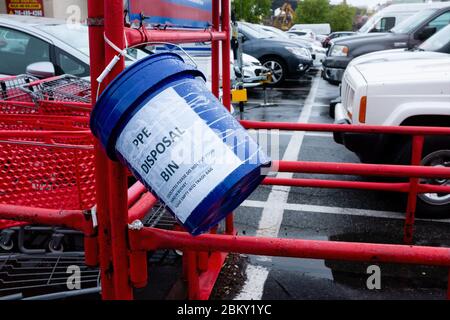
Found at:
(400, 88)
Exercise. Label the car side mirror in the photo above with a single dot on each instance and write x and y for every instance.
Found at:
(425, 33)
(41, 70)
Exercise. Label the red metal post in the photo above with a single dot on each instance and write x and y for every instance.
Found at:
(416, 158)
(97, 57)
(135, 36)
(226, 82)
(361, 169)
(192, 274)
(323, 127)
(138, 269)
(154, 239)
(332, 184)
(117, 176)
(215, 47)
(73, 219)
(141, 207)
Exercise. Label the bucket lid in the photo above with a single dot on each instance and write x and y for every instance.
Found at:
(130, 85)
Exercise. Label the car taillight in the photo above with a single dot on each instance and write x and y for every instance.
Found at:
(363, 109)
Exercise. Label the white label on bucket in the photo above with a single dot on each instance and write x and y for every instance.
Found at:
(179, 156)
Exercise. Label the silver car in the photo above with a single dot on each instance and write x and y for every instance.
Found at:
(25, 40)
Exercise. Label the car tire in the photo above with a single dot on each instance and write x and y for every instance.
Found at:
(333, 82)
(278, 68)
(332, 109)
(436, 152)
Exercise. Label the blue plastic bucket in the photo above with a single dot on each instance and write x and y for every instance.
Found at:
(159, 119)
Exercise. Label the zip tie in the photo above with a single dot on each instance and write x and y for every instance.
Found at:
(108, 69)
(116, 58)
(94, 216)
(136, 225)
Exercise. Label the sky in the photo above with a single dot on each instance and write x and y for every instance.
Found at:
(368, 3)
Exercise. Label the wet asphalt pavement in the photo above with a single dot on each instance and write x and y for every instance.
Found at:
(326, 214)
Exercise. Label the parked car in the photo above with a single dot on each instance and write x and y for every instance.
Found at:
(336, 35)
(401, 88)
(318, 53)
(25, 40)
(285, 58)
(254, 71)
(437, 43)
(317, 28)
(306, 34)
(35, 39)
(392, 15)
(407, 34)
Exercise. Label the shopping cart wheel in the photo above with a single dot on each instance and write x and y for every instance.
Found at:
(6, 239)
(55, 244)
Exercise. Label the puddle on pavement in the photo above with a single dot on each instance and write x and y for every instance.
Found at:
(354, 274)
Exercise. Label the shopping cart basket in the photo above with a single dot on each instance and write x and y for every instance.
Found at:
(62, 95)
(47, 170)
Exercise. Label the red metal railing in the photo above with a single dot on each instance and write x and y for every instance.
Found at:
(121, 254)
(413, 188)
(111, 209)
(154, 239)
(201, 263)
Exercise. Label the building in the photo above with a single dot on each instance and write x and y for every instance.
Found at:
(62, 9)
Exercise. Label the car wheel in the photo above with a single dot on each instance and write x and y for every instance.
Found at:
(277, 68)
(436, 153)
(435, 204)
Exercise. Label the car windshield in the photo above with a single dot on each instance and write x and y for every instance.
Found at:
(370, 23)
(437, 41)
(254, 33)
(77, 37)
(413, 22)
(277, 32)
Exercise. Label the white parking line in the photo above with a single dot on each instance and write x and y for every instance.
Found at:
(307, 208)
(254, 287)
(257, 103)
(320, 134)
(254, 133)
(272, 215)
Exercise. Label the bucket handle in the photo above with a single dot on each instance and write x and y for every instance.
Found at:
(123, 52)
(172, 44)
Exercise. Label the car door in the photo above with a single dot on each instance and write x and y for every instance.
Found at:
(19, 49)
(247, 43)
(436, 24)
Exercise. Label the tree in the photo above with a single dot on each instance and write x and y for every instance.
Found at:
(341, 17)
(251, 10)
(312, 11)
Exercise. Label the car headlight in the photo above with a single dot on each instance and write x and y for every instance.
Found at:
(339, 51)
(300, 52)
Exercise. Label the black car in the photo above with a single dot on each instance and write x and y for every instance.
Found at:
(335, 35)
(407, 34)
(286, 59)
